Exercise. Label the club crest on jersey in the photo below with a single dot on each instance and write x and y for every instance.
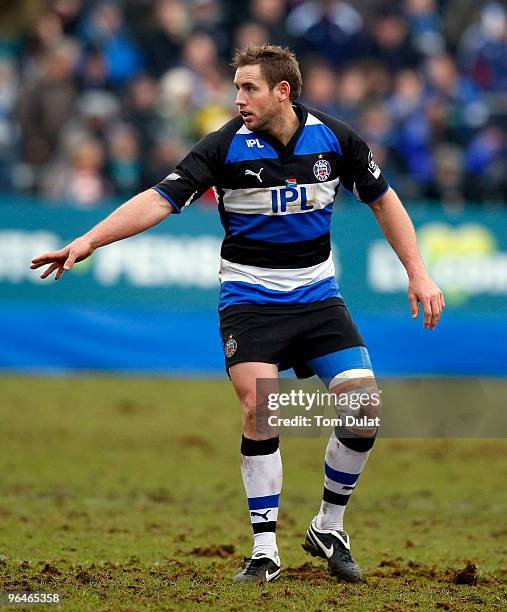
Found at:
(322, 170)
(231, 346)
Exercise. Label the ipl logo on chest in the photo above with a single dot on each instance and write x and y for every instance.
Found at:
(322, 170)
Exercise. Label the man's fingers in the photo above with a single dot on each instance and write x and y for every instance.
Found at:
(413, 306)
(426, 304)
(49, 270)
(46, 258)
(435, 311)
(442, 300)
(71, 259)
(59, 272)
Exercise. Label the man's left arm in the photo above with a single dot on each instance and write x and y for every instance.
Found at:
(399, 232)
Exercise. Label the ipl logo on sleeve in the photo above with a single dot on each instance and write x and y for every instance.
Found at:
(322, 170)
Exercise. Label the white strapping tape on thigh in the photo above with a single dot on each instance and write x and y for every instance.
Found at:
(350, 375)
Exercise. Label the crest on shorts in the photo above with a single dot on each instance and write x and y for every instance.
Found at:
(322, 170)
(230, 347)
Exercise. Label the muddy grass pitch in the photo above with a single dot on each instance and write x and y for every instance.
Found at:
(125, 494)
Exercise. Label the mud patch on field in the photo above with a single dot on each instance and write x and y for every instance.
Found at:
(128, 406)
(215, 550)
(307, 572)
(50, 570)
(396, 568)
(390, 568)
(84, 577)
(195, 441)
(285, 519)
(160, 495)
(465, 575)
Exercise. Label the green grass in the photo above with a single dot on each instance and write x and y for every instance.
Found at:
(126, 494)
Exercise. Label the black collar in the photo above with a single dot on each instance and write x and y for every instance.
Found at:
(282, 150)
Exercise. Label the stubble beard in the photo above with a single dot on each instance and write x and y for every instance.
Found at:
(267, 121)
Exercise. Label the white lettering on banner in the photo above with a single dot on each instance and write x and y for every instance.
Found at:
(17, 248)
(158, 261)
(470, 274)
(385, 272)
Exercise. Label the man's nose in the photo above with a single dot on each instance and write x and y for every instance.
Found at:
(239, 99)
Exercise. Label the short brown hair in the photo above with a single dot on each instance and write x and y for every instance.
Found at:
(277, 64)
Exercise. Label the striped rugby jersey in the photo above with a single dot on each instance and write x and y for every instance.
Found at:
(275, 204)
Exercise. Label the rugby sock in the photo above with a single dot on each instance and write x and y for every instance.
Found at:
(342, 468)
(261, 468)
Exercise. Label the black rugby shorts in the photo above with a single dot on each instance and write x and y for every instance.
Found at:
(287, 335)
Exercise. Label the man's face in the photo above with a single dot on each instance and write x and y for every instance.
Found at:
(257, 104)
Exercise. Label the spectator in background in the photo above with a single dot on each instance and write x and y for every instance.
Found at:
(124, 167)
(271, 15)
(483, 49)
(321, 88)
(391, 42)
(310, 12)
(352, 92)
(68, 12)
(486, 166)
(211, 89)
(447, 186)
(328, 29)
(92, 72)
(167, 151)
(47, 102)
(128, 74)
(176, 91)
(249, 34)
(8, 136)
(206, 16)
(141, 110)
(104, 28)
(412, 134)
(162, 41)
(377, 126)
(45, 34)
(81, 180)
(425, 25)
(456, 96)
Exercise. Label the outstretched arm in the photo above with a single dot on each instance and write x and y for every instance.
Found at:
(138, 214)
(399, 231)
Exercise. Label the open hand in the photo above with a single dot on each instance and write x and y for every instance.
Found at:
(422, 289)
(64, 259)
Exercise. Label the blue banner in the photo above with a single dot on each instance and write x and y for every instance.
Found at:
(148, 304)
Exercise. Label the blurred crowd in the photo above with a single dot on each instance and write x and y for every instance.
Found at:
(100, 99)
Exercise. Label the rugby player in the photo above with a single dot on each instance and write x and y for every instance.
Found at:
(276, 169)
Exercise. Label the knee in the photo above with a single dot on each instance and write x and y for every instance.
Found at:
(360, 405)
(249, 406)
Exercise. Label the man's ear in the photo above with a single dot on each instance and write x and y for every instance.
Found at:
(282, 90)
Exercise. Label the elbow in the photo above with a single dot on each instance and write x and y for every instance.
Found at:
(384, 200)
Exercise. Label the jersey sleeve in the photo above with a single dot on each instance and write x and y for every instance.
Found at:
(194, 175)
(360, 174)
